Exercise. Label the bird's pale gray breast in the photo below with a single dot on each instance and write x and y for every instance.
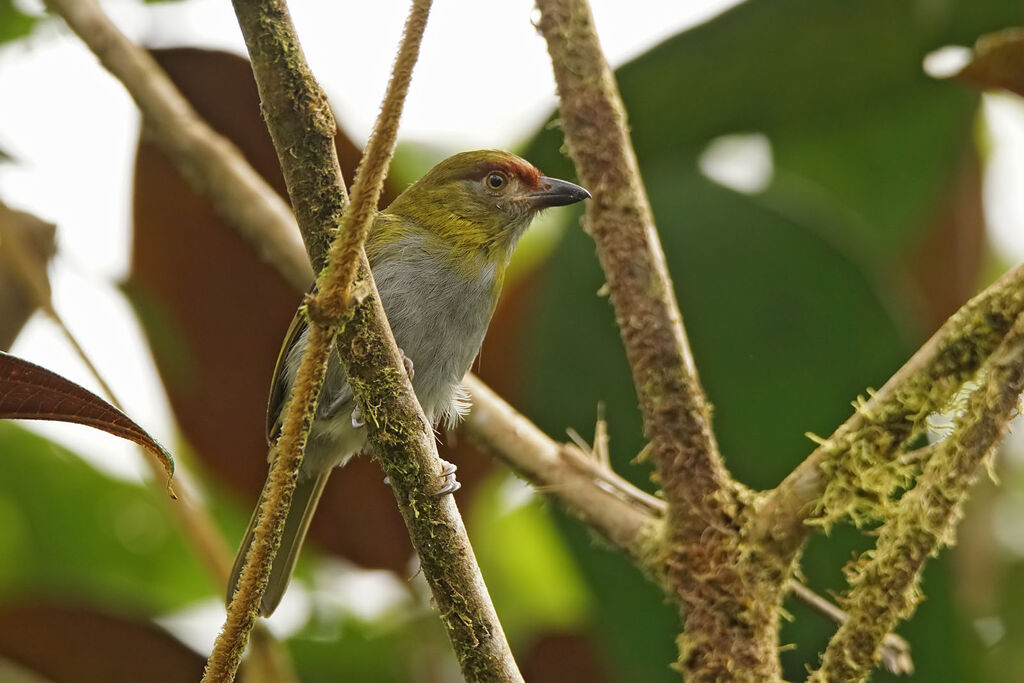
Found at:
(439, 318)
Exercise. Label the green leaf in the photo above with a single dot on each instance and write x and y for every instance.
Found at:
(68, 530)
(531, 576)
(14, 23)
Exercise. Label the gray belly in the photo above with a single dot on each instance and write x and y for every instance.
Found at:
(439, 320)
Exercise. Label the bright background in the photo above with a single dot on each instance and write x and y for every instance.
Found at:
(823, 201)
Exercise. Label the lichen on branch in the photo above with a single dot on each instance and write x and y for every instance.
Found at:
(855, 472)
(885, 582)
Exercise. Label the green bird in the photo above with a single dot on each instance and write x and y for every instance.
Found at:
(438, 255)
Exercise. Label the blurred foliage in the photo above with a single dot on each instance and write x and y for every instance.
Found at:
(68, 530)
(997, 62)
(797, 298)
(13, 22)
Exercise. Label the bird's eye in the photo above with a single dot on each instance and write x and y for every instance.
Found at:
(495, 181)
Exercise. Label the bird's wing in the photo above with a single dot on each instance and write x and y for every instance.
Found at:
(279, 384)
(335, 383)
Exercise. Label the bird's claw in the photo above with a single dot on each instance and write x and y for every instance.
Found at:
(451, 484)
(357, 418)
(407, 362)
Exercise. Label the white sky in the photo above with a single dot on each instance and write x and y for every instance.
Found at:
(483, 80)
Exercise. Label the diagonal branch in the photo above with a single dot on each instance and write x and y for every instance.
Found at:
(676, 413)
(885, 582)
(211, 164)
(827, 485)
(399, 436)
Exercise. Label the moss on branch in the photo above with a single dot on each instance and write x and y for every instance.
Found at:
(885, 581)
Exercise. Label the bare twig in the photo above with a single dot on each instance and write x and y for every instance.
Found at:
(34, 245)
(403, 442)
(197, 528)
(210, 162)
(884, 584)
(895, 651)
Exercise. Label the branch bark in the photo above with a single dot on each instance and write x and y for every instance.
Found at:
(400, 437)
(676, 413)
(885, 582)
(730, 592)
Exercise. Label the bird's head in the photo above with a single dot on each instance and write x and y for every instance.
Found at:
(482, 200)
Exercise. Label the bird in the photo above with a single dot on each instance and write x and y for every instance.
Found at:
(438, 254)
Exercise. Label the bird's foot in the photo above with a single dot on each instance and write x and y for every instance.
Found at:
(407, 362)
(450, 483)
(357, 418)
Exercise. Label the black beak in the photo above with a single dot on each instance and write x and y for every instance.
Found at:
(555, 192)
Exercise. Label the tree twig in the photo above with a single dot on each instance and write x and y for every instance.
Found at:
(619, 218)
(894, 652)
(400, 436)
(211, 164)
(884, 583)
(197, 527)
(730, 592)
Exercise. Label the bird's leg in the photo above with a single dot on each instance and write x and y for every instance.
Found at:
(407, 362)
(450, 483)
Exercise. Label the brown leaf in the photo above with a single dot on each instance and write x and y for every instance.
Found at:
(78, 644)
(998, 62)
(29, 392)
(26, 245)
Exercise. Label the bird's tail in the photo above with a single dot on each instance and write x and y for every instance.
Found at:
(304, 500)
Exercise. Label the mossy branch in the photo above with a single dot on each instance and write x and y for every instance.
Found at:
(398, 432)
(885, 581)
(729, 592)
(854, 473)
(677, 417)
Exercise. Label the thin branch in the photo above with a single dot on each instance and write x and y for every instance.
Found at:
(197, 527)
(628, 518)
(211, 164)
(676, 413)
(730, 591)
(398, 432)
(884, 583)
(894, 652)
(827, 485)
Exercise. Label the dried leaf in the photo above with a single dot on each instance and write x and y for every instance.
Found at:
(29, 392)
(998, 61)
(26, 246)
